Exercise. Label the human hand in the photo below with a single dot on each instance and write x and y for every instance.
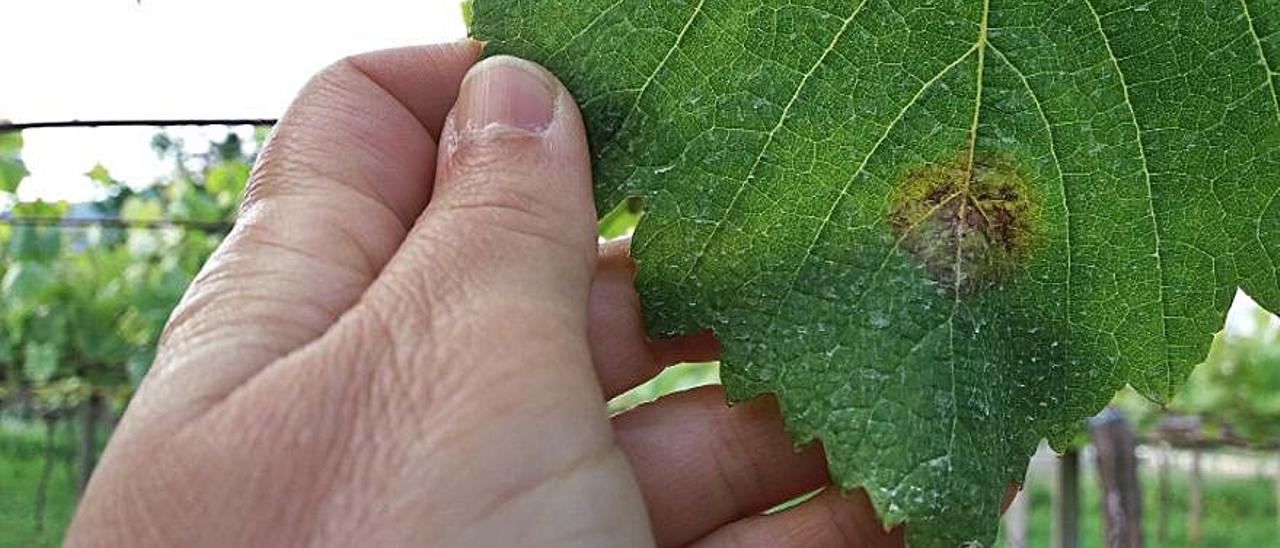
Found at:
(405, 343)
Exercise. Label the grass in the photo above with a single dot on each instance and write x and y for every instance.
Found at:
(21, 463)
(1238, 512)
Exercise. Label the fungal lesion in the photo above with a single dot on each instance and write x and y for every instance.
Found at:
(970, 222)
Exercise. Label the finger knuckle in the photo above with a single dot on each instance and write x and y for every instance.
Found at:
(496, 186)
(289, 162)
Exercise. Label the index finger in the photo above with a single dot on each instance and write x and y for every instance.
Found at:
(345, 174)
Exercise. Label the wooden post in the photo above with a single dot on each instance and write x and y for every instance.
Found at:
(87, 446)
(1166, 498)
(1276, 485)
(46, 473)
(1194, 501)
(1015, 521)
(1066, 501)
(1113, 444)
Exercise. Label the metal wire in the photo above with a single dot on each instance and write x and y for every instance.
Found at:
(9, 127)
(77, 222)
(115, 222)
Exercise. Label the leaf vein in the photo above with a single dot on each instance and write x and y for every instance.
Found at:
(1062, 182)
(773, 133)
(585, 29)
(1262, 55)
(844, 191)
(635, 105)
(1151, 208)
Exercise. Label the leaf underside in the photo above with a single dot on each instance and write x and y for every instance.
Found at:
(938, 230)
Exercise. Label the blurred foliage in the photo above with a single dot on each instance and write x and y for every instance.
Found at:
(1237, 390)
(23, 454)
(674, 379)
(12, 170)
(1239, 511)
(84, 306)
(622, 220)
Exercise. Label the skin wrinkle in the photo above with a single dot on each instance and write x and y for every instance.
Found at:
(729, 491)
(132, 504)
(150, 529)
(839, 523)
(442, 286)
(340, 83)
(829, 519)
(257, 197)
(341, 410)
(612, 291)
(376, 326)
(455, 394)
(205, 328)
(318, 184)
(487, 155)
(731, 440)
(412, 76)
(280, 163)
(435, 286)
(265, 238)
(601, 455)
(716, 454)
(299, 172)
(218, 400)
(354, 64)
(358, 454)
(258, 200)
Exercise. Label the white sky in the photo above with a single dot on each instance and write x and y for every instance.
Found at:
(100, 59)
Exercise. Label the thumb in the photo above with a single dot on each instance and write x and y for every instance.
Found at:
(514, 180)
(512, 216)
(506, 250)
(479, 322)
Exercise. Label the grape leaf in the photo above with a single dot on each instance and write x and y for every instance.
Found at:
(938, 230)
(12, 170)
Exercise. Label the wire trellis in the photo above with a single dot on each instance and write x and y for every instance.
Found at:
(62, 124)
(115, 222)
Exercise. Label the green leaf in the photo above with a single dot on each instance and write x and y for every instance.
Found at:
(938, 230)
(99, 174)
(6, 349)
(466, 12)
(12, 170)
(40, 209)
(26, 281)
(226, 181)
(35, 243)
(40, 362)
(228, 177)
(621, 220)
(1239, 385)
(141, 209)
(190, 202)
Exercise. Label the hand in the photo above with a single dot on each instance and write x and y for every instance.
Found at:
(410, 344)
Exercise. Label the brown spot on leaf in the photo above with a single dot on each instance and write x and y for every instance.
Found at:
(970, 225)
